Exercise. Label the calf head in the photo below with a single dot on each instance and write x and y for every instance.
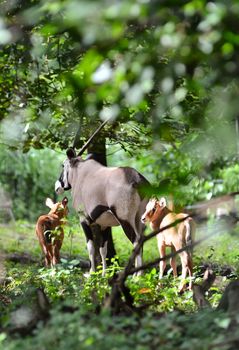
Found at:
(60, 208)
(155, 211)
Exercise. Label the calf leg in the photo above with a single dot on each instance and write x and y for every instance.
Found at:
(90, 244)
(51, 254)
(173, 263)
(57, 247)
(162, 253)
(190, 271)
(162, 263)
(47, 255)
(187, 266)
(47, 260)
(56, 255)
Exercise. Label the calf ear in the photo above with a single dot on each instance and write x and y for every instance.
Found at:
(64, 201)
(49, 203)
(70, 153)
(163, 202)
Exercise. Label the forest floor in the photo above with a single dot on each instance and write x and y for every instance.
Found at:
(22, 274)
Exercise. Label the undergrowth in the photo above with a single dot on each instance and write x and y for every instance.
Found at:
(170, 320)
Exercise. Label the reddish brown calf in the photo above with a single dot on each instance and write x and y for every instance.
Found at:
(176, 237)
(50, 232)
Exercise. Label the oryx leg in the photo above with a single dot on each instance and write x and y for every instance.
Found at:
(103, 248)
(130, 233)
(139, 229)
(138, 258)
(90, 244)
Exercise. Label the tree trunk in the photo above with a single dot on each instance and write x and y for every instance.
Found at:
(97, 151)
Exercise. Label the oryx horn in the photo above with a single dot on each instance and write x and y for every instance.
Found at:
(81, 151)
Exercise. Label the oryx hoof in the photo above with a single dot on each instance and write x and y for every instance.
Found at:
(88, 274)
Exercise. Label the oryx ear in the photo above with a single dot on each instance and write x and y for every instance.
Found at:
(71, 153)
(163, 202)
(49, 203)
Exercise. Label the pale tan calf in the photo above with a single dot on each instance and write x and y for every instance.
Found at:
(50, 232)
(158, 215)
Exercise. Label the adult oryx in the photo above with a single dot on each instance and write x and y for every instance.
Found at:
(108, 196)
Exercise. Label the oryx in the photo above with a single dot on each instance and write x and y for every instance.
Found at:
(109, 196)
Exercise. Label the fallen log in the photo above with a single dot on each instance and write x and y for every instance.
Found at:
(26, 258)
(200, 290)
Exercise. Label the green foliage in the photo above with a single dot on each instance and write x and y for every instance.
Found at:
(96, 287)
(80, 329)
(181, 174)
(60, 282)
(169, 68)
(29, 179)
(66, 285)
(162, 295)
(230, 178)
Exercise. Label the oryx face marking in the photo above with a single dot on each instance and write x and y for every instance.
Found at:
(62, 184)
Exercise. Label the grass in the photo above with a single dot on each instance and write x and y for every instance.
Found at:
(20, 237)
(222, 247)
